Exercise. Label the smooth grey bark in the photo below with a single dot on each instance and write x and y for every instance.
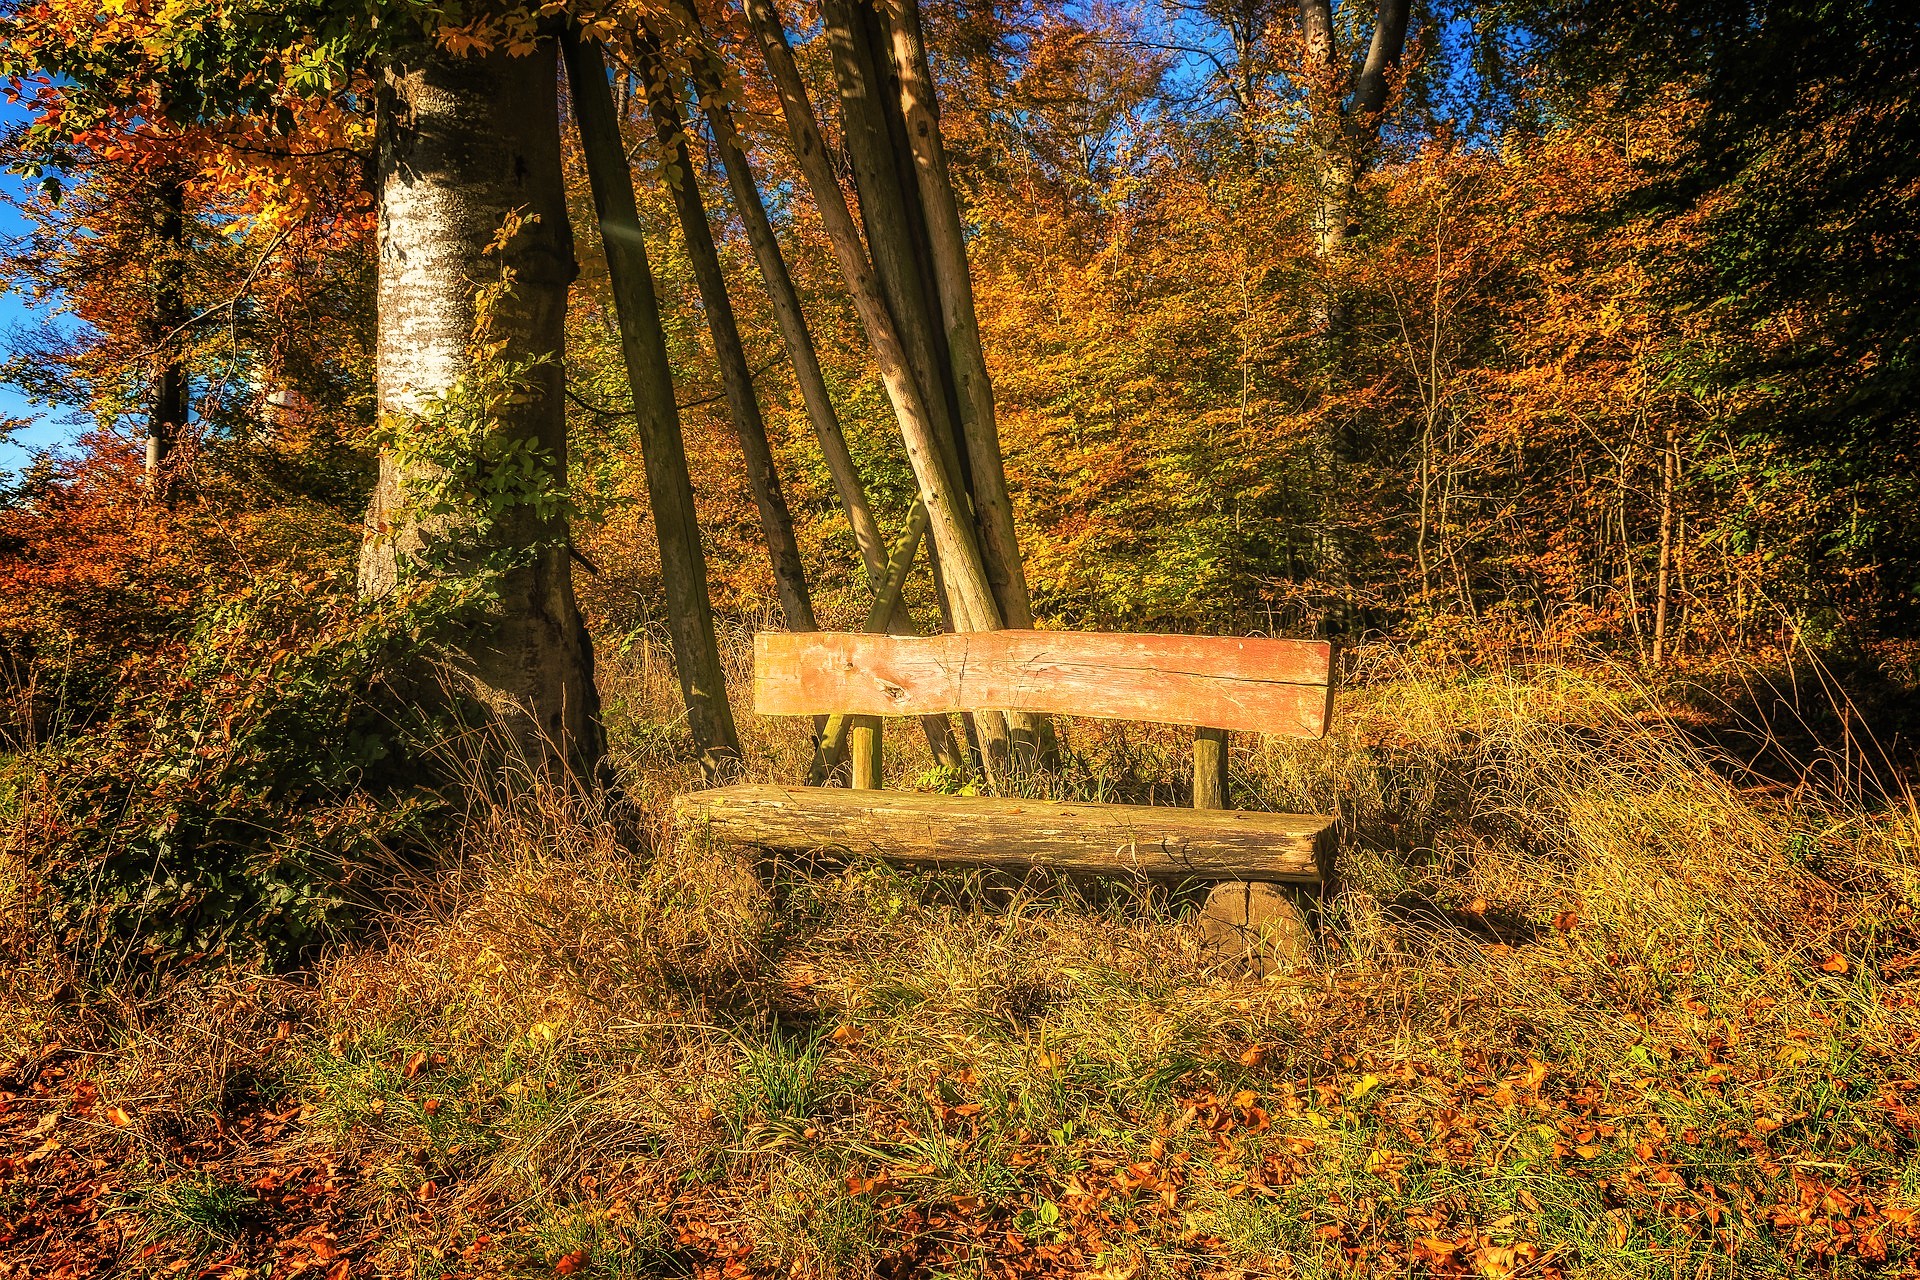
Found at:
(466, 144)
(683, 566)
(736, 376)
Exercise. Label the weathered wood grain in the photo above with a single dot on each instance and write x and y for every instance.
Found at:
(943, 830)
(1253, 684)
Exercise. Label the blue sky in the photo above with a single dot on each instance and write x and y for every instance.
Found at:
(14, 314)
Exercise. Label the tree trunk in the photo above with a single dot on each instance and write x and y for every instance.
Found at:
(1663, 582)
(467, 146)
(797, 338)
(167, 417)
(903, 258)
(763, 475)
(1344, 133)
(683, 566)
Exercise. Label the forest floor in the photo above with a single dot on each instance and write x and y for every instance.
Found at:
(1591, 1001)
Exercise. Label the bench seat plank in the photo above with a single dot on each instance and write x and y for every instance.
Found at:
(944, 830)
(1248, 683)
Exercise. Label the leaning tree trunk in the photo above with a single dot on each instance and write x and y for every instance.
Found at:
(683, 566)
(947, 244)
(470, 147)
(890, 293)
(795, 335)
(736, 376)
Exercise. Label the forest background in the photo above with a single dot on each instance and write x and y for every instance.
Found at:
(1570, 385)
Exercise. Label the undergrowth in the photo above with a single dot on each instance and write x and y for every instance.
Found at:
(1590, 1002)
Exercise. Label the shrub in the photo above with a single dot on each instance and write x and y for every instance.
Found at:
(241, 796)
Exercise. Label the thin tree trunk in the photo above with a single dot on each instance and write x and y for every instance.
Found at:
(467, 146)
(797, 338)
(947, 240)
(167, 419)
(1344, 111)
(763, 475)
(1663, 581)
(892, 223)
(903, 257)
(683, 568)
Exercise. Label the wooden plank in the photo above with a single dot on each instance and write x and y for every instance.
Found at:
(940, 830)
(1253, 684)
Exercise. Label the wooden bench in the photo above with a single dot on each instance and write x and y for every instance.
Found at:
(1259, 861)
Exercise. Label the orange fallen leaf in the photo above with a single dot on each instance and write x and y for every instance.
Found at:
(571, 1263)
(118, 1118)
(414, 1063)
(848, 1034)
(1834, 964)
(340, 1270)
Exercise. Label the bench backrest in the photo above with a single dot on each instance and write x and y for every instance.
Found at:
(1252, 684)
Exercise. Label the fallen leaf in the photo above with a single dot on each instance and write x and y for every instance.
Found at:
(571, 1263)
(118, 1118)
(847, 1034)
(1834, 964)
(414, 1063)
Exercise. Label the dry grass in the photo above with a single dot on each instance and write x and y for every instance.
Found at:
(1587, 1006)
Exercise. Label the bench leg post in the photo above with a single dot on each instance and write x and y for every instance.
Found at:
(865, 741)
(1210, 769)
